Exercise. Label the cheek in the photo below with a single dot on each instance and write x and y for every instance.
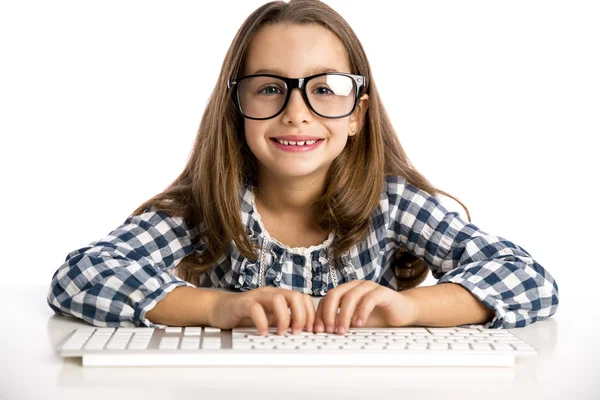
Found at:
(253, 130)
(338, 129)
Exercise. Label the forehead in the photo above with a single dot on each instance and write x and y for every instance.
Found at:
(295, 51)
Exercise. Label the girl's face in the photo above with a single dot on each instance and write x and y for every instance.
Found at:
(297, 51)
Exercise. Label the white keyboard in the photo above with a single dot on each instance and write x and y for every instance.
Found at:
(202, 346)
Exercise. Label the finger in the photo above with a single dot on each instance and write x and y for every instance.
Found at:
(282, 313)
(298, 309)
(332, 303)
(310, 312)
(257, 315)
(319, 326)
(366, 305)
(349, 303)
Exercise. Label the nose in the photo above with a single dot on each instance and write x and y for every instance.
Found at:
(296, 110)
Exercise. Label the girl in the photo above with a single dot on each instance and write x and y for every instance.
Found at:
(297, 186)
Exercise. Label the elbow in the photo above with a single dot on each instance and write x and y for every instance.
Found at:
(545, 295)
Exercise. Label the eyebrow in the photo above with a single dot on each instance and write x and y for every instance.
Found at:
(276, 71)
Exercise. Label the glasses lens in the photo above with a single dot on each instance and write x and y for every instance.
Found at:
(331, 95)
(261, 96)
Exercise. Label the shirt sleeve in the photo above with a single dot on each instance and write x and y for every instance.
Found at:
(115, 281)
(498, 272)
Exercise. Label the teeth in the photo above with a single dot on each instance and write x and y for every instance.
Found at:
(290, 143)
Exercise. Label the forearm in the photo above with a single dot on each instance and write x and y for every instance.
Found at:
(447, 304)
(184, 306)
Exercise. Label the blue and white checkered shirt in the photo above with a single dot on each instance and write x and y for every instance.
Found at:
(115, 281)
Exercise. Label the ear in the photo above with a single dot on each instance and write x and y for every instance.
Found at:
(358, 116)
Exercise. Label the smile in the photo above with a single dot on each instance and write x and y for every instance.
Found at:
(296, 146)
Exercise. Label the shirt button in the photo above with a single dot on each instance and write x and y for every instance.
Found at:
(298, 260)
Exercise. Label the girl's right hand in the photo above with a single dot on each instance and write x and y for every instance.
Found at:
(263, 307)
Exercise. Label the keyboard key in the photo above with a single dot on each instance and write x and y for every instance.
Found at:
(396, 346)
(503, 347)
(286, 346)
(190, 343)
(438, 346)
(169, 343)
(193, 331)
(212, 343)
(137, 346)
(460, 346)
(242, 345)
(117, 345)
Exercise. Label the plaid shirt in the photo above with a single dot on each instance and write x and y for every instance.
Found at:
(115, 281)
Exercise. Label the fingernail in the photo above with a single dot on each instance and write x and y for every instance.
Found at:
(329, 329)
(359, 322)
(318, 327)
(341, 330)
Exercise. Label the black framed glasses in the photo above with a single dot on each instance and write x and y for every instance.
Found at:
(329, 95)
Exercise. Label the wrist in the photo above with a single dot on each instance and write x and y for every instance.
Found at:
(214, 302)
(411, 305)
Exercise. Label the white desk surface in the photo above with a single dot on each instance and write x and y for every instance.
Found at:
(565, 368)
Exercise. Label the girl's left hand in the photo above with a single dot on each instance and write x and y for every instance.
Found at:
(376, 305)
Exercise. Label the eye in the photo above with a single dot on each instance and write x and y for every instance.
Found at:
(323, 91)
(269, 90)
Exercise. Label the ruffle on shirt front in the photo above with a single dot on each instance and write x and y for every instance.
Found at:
(274, 271)
(247, 276)
(269, 253)
(320, 268)
(347, 269)
(248, 273)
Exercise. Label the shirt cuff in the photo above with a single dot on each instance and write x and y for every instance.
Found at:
(152, 299)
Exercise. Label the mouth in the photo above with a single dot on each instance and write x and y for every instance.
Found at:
(299, 143)
(296, 147)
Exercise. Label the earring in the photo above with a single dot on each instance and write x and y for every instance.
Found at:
(352, 129)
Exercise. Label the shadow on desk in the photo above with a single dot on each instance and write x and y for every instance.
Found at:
(542, 335)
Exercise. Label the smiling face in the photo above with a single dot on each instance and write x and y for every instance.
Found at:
(296, 51)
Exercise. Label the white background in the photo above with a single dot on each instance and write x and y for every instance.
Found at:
(495, 102)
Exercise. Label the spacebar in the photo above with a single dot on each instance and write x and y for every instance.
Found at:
(297, 358)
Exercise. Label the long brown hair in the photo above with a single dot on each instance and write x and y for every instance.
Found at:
(206, 192)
